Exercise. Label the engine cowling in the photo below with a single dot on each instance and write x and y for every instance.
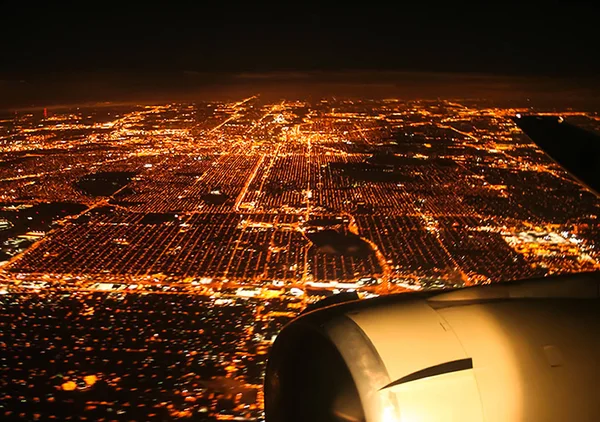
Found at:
(521, 351)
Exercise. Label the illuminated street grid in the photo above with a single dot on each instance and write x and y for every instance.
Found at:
(150, 253)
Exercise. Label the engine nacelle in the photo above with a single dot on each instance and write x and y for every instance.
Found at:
(522, 351)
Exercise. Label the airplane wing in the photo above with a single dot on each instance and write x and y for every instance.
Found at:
(575, 149)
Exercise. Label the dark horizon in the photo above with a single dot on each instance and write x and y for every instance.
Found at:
(84, 88)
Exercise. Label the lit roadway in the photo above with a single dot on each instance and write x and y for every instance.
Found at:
(234, 116)
(211, 289)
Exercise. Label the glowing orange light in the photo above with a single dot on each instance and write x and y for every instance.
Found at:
(90, 379)
(69, 386)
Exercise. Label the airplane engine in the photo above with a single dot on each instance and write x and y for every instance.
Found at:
(520, 351)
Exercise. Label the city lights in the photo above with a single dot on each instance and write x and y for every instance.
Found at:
(150, 254)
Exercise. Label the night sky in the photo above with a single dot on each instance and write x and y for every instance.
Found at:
(558, 37)
(53, 42)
